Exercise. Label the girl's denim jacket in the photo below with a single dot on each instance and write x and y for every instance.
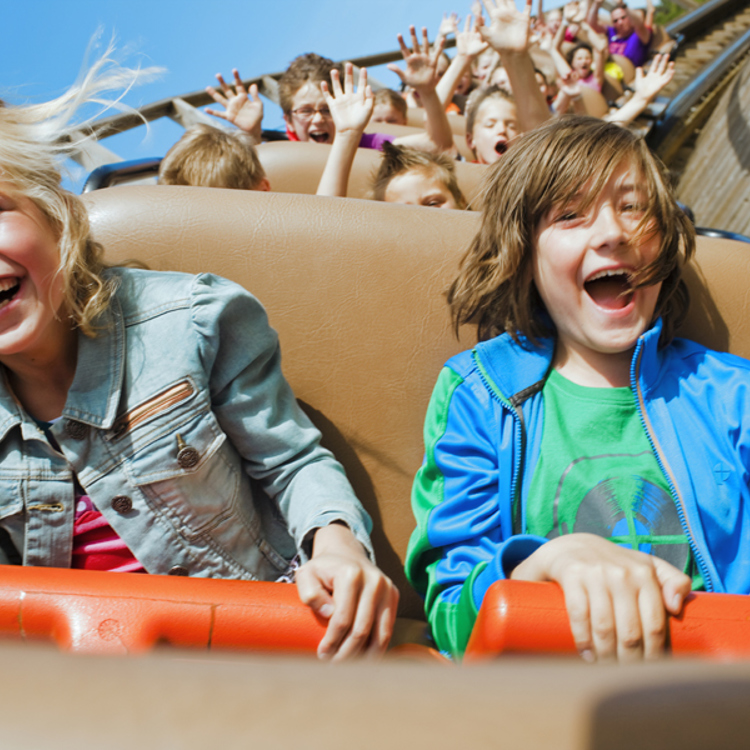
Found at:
(183, 431)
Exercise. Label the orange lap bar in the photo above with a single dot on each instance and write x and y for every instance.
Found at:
(524, 617)
(125, 613)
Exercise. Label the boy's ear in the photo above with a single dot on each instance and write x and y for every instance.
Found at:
(264, 185)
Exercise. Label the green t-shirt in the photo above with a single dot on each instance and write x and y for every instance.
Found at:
(597, 474)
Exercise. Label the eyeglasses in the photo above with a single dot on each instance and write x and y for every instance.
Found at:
(307, 113)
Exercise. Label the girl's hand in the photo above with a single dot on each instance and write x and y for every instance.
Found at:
(659, 75)
(341, 585)
(243, 111)
(421, 63)
(509, 30)
(616, 598)
(570, 84)
(469, 42)
(351, 110)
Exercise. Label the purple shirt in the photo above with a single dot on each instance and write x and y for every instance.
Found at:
(375, 140)
(630, 46)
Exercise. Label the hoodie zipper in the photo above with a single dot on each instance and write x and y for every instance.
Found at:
(661, 460)
(519, 440)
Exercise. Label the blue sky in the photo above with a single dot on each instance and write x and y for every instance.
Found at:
(43, 42)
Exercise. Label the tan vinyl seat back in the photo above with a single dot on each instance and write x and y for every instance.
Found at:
(297, 168)
(356, 291)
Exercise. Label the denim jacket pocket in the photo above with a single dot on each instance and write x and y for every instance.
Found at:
(190, 474)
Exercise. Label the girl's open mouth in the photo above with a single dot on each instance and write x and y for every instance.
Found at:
(610, 290)
(8, 289)
(501, 147)
(319, 137)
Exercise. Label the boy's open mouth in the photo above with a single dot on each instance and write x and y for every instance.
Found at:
(319, 137)
(501, 147)
(610, 290)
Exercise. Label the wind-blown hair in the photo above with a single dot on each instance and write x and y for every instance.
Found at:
(569, 159)
(34, 139)
(401, 159)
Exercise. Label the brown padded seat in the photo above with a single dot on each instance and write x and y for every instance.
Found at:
(355, 290)
(297, 167)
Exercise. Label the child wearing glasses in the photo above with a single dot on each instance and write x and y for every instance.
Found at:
(306, 110)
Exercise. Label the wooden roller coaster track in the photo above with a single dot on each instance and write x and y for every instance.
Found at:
(711, 42)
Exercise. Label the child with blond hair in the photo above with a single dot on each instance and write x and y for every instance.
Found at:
(211, 157)
(147, 423)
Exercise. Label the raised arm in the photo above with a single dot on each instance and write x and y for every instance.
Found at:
(509, 33)
(593, 17)
(448, 26)
(421, 75)
(646, 89)
(600, 46)
(469, 45)
(351, 111)
(639, 24)
(246, 112)
(562, 66)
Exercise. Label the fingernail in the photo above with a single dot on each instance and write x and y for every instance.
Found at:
(326, 610)
(588, 655)
(323, 655)
(677, 602)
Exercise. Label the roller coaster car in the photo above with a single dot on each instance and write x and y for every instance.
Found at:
(360, 311)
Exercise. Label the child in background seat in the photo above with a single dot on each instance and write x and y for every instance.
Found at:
(580, 442)
(147, 425)
(209, 157)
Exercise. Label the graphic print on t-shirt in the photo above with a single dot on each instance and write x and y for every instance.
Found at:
(624, 507)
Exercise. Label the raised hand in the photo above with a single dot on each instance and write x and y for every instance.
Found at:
(569, 84)
(659, 75)
(421, 62)
(449, 25)
(243, 110)
(509, 30)
(469, 42)
(351, 110)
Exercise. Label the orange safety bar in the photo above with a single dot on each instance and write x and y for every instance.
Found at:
(125, 613)
(525, 617)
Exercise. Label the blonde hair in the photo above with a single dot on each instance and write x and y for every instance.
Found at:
(209, 157)
(33, 141)
(546, 168)
(391, 98)
(401, 159)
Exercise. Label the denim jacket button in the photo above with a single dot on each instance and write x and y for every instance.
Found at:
(76, 430)
(178, 570)
(188, 457)
(122, 504)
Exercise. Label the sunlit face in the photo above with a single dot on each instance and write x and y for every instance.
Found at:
(419, 187)
(318, 128)
(500, 78)
(495, 126)
(385, 112)
(582, 262)
(464, 84)
(621, 22)
(582, 62)
(31, 289)
(553, 20)
(483, 65)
